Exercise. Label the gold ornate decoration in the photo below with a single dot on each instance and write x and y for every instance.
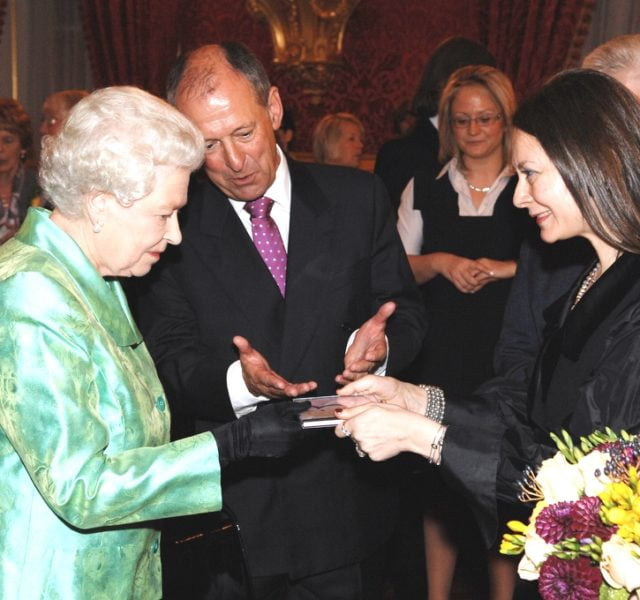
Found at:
(307, 37)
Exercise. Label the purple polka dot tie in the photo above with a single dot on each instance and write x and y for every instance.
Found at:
(267, 240)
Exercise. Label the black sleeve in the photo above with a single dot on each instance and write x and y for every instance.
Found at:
(189, 370)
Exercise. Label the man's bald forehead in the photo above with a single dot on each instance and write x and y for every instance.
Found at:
(202, 72)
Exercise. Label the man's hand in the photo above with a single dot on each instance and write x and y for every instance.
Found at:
(261, 379)
(369, 348)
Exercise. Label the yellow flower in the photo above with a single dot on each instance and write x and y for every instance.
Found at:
(511, 546)
(617, 515)
(630, 531)
(517, 526)
(621, 493)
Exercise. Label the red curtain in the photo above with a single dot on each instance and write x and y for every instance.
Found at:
(132, 42)
(3, 11)
(534, 39)
(135, 42)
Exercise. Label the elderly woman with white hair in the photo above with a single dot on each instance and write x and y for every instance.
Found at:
(85, 457)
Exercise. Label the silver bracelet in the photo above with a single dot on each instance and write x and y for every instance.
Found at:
(435, 452)
(435, 402)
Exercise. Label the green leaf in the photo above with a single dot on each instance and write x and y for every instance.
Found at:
(609, 593)
(567, 438)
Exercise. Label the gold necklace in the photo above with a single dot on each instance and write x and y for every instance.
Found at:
(588, 281)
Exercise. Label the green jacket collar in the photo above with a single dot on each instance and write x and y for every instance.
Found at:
(105, 296)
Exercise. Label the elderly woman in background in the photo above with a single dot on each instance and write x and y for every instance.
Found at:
(85, 458)
(56, 107)
(577, 154)
(18, 181)
(338, 140)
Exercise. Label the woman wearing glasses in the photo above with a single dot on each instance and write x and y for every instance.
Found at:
(462, 234)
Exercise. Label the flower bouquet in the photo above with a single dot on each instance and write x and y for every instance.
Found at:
(582, 541)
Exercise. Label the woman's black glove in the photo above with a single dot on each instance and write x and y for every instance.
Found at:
(272, 430)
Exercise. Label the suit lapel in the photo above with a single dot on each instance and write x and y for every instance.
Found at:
(216, 234)
(310, 263)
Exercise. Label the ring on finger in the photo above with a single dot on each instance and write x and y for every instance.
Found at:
(344, 430)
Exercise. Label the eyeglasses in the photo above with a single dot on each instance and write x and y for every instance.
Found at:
(484, 120)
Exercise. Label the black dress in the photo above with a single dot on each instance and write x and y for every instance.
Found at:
(463, 328)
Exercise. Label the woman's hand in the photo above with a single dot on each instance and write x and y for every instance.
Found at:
(385, 430)
(500, 269)
(385, 390)
(466, 274)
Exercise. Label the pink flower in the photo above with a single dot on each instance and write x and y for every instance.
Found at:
(554, 522)
(586, 522)
(562, 579)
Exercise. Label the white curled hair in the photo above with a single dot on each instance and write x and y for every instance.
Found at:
(112, 143)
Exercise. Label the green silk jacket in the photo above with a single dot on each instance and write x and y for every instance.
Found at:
(85, 458)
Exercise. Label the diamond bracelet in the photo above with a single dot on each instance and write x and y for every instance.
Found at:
(435, 402)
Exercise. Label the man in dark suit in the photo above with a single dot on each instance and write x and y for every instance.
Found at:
(313, 523)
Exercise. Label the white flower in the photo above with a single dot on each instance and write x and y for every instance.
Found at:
(620, 564)
(536, 551)
(592, 468)
(559, 480)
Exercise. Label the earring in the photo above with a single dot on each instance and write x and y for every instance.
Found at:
(97, 227)
(23, 154)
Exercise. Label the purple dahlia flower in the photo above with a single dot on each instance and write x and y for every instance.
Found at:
(586, 522)
(575, 579)
(553, 524)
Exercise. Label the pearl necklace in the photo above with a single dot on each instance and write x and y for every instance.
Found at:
(589, 280)
(482, 190)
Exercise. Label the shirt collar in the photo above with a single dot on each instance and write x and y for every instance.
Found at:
(458, 179)
(280, 190)
(105, 296)
(466, 206)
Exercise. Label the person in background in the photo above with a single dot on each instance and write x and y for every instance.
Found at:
(404, 119)
(18, 179)
(287, 130)
(229, 328)
(462, 235)
(338, 140)
(573, 180)
(620, 58)
(85, 459)
(399, 159)
(55, 109)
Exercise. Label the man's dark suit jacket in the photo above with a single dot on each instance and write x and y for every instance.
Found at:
(322, 507)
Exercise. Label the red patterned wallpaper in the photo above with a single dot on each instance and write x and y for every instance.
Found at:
(386, 44)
